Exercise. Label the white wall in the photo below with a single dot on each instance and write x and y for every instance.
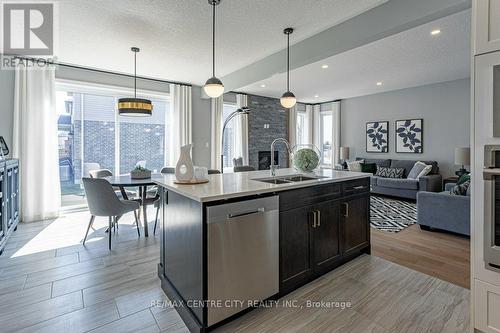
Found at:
(445, 108)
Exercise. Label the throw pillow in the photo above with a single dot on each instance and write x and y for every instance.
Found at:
(355, 165)
(463, 179)
(369, 167)
(460, 189)
(425, 172)
(418, 167)
(389, 172)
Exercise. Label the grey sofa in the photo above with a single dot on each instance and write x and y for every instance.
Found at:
(404, 188)
(444, 211)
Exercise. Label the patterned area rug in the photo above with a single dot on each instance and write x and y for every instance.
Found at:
(392, 215)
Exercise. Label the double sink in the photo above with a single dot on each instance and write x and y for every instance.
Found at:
(287, 179)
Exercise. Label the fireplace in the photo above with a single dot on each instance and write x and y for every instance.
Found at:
(265, 159)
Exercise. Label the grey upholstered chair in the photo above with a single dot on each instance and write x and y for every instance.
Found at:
(102, 173)
(102, 201)
(243, 168)
(168, 170)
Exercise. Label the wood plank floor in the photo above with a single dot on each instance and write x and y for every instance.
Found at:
(49, 282)
(439, 254)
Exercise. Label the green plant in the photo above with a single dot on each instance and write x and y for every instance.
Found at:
(139, 168)
(305, 159)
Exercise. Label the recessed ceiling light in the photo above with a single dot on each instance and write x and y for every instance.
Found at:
(324, 66)
(316, 96)
(262, 85)
(379, 83)
(435, 32)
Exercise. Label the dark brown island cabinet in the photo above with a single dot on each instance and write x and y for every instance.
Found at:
(318, 228)
(9, 199)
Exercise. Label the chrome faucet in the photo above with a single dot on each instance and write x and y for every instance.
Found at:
(285, 141)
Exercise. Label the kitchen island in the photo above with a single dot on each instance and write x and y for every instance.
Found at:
(247, 237)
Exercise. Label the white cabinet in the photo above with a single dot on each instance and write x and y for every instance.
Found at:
(487, 307)
(487, 21)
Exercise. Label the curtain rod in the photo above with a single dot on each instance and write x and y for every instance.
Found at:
(98, 70)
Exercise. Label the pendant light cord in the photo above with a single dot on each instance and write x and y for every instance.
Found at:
(135, 74)
(213, 39)
(288, 63)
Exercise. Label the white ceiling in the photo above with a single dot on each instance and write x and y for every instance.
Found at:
(408, 59)
(175, 35)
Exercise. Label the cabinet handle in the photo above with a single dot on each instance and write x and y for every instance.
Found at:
(314, 219)
(318, 214)
(346, 206)
(361, 187)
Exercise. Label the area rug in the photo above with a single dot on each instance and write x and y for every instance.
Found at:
(392, 215)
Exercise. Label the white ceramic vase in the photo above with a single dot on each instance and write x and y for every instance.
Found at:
(184, 170)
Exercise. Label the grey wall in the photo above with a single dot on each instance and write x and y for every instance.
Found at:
(6, 105)
(445, 108)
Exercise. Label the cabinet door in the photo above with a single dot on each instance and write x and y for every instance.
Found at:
(487, 307)
(2, 202)
(356, 226)
(326, 228)
(487, 20)
(296, 240)
(8, 198)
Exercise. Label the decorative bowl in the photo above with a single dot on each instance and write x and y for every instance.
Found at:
(305, 158)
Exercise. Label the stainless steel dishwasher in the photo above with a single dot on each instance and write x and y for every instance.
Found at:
(243, 255)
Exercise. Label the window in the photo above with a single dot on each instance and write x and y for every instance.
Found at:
(93, 136)
(230, 135)
(302, 134)
(326, 138)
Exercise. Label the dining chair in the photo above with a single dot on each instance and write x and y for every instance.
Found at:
(243, 168)
(102, 173)
(102, 201)
(164, 170)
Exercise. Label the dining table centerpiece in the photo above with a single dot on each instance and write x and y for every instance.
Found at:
(140, 173)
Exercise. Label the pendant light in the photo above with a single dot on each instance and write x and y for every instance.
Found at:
(288, 99)
(213, 87)
(135, 107)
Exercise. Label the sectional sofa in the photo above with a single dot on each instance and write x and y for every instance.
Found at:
(404, 187)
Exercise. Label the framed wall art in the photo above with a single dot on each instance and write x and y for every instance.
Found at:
(409, 136)
(377, 137)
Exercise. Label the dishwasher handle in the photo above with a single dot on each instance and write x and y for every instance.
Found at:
(252, 212)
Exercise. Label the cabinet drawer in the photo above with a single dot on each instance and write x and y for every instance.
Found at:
(308, 195)
(356, 186)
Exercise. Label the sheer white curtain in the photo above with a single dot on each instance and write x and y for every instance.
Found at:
(181, 120)
(216, 135)
(316, 132)
(336, 132)
(241, 148)
(310, 123)
(292, 126)
(35, 142)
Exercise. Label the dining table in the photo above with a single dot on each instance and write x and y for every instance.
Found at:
(126, 181)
